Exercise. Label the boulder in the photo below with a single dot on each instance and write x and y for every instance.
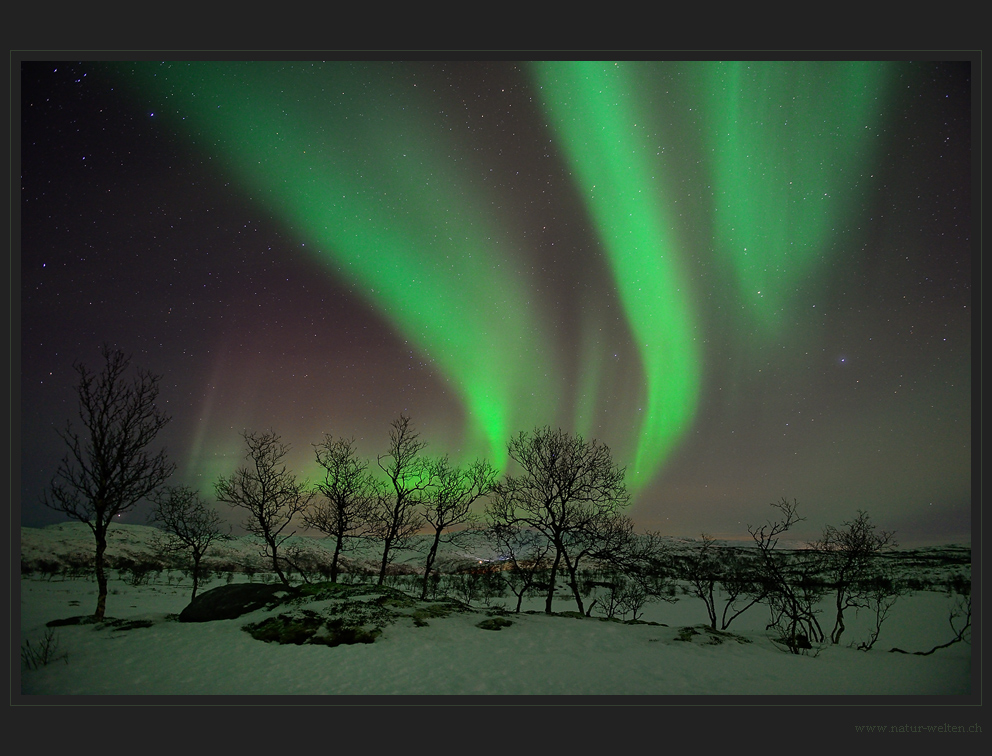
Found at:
(232, 601)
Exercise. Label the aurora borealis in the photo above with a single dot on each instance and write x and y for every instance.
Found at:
(750, 279)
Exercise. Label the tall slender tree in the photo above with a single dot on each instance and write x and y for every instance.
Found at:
(109, 467)
(348, 495)
(268, 491)
(396, 516)
(449, 502)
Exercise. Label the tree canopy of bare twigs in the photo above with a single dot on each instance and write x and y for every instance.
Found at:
(192, 525)
(348, 495)
(568, 490)
(109, 467)
(448, 502)
(268, 491)
(850, 558)
(396, 515)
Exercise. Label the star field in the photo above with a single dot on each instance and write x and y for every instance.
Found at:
(750, 279)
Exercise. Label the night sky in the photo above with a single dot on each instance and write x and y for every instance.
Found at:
(752, 280)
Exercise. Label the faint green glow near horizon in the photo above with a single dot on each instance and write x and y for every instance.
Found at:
(593, 107)
(789, 145)
(346, 163)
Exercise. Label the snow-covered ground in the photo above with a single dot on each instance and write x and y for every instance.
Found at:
(538, 655)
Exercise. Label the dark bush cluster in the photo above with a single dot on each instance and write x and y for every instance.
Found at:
(138, 571)
(310, 628)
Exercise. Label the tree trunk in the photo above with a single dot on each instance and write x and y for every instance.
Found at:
(839, 624)
(710, 600)
(385, 560)
(196, 573)
(551, 582)
(101, 575)
(573, 583)
(431, 556)
(334, 559)
(275, 562)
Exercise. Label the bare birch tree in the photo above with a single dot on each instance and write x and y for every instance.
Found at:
(449, 502)
(109, 467)
(850, 555)
(349, 494)
(268, 491)
(568, 490)
(192, 525)
(788, 581)
(396, 515)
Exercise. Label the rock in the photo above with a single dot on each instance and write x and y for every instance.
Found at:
(232, 601)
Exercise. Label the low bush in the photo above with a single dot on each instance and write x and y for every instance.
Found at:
(494, 623)
(43, 654)
(308, 627)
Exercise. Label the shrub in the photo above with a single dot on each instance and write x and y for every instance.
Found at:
(49, 568)
(494, 623)
(77, 565)
(139, 573)
(310, 628)
(44, 653)
(439, 609)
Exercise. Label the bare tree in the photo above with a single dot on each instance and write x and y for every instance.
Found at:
(192, 525)
(568, 490)
(349, 495)
(109, 467)
(524, 551)
(850, 557)
(270, 494)
(709, 566)
(789, 582)
(449, 501)
(702, 572)
(880, 596)
(608, 540)
(633, 570)
(396, 515)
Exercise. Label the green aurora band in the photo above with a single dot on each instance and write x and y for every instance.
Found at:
(785, 145)
(325, 150)
(789, 143)
(594, 109)
(342, 157)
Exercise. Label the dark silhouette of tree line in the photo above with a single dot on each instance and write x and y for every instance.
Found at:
(559, 518)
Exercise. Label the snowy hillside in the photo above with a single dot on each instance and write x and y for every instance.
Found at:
(145, 651)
